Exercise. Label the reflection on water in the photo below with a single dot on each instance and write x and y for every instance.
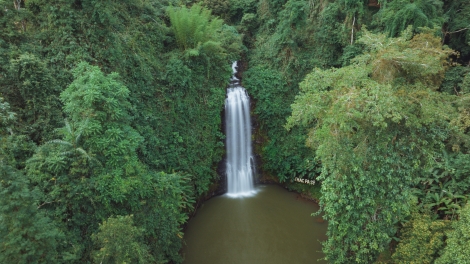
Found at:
(271, 227)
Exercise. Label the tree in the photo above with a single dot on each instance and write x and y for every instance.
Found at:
(374, 125)
(99, 105)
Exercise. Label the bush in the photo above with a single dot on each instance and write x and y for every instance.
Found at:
(422, 239)
(457, 249)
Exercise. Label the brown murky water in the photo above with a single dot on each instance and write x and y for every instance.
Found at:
(274, 226)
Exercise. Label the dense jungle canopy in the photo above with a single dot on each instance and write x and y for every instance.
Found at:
(111, 130)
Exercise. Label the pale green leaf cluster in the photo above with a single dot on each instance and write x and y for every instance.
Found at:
(421, 239)
(418, 59)
(457, 249)
(119, 241)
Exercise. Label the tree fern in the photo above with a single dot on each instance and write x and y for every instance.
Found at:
(193, 26)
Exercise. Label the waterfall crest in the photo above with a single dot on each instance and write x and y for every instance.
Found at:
(238, 137)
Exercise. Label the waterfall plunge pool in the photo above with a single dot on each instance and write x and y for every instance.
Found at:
(273, 226)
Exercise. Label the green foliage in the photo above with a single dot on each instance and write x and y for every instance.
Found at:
(286, 50)
(462, 121)
(373, 126)
(97, 164)
(99, 105)
(272, 7)
(312, 192)
(249, 22)
(12, 33)
(218, 7)
(190, 101)
(120, 242)
(421, 240)
(396, 15)
(14, 149)
(238, 9)
(288, 45)
(6, 117)
(271, 101)
(191, 95)
(283, 154)
(331, 35)
(293, 16)
(68, 194)
(456, 30)
(458, 242)
(93, 172)
(453, 80)
(97, 151)
(339, 24)
(350, 52)
(32, 93)
(195, 28)
(445, 188)
(27, 235)
(162, 211)
(160, 110)
(353, 5)
(465, 86)
(285, 43)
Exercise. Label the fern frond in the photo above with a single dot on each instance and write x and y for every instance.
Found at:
(35, 159)
(80, 131)
(68, 127)
(83, 152)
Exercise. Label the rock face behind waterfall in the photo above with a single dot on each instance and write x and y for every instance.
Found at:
(239, 167)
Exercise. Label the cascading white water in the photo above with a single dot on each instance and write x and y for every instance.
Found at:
(238, 133)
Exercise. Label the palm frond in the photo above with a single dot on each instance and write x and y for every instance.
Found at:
(80, 131)
(60, 142)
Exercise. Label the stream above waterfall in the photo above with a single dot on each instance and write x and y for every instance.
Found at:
(275, 226)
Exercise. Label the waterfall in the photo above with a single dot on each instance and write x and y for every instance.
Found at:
(238, 138)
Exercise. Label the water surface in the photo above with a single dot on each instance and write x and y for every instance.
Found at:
(273, 226)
